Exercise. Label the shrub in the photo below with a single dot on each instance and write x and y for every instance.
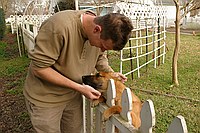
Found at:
(2, 24)
(65, 5)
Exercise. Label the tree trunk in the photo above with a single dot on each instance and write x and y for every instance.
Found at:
(176, 48)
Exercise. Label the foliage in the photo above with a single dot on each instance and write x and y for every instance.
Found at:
(65, 5)
(11, 7)
(12, 67)
(2, 23)
(194, 8)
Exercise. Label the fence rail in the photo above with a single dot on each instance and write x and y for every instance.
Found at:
(123, 120)
(148, 36)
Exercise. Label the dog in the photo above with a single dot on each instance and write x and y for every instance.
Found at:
(99, 81)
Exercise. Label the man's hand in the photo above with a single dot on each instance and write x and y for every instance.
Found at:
(90, 92)
(54, 77)
(120, 76)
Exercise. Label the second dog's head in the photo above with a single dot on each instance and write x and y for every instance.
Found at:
(99, 81)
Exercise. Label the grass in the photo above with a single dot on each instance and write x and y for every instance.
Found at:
(185, 100)
(14, 69)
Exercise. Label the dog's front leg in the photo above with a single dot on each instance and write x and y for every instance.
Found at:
(97, 101)
(110, 111)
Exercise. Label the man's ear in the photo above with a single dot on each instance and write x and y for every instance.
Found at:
(97, 29)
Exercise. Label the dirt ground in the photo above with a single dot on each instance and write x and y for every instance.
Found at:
(13, 118)
(13, 114)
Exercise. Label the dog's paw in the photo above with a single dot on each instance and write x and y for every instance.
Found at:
(104, 119)
(94, 103)
(106, 115)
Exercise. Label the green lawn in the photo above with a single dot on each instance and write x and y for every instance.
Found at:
(156, 84)
(12, 67)
(186, 97)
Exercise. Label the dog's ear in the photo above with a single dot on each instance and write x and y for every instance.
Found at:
(114, 75)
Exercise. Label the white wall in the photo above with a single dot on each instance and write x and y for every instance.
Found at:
(171, 15)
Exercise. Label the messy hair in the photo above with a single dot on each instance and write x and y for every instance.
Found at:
(116, 27)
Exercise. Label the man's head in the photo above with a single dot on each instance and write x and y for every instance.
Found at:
(115, 28)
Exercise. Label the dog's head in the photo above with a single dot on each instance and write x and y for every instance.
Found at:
(99, 81)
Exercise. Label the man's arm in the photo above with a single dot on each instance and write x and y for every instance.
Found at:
(54, 77)
(102, 65)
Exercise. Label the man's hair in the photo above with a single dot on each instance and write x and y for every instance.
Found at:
(116, 27)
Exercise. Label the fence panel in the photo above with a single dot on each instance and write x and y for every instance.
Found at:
(178, 125)
(147, 42)
(123, 120)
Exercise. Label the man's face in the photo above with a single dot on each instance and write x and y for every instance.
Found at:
(97, 41)
(102, 44)
(106, 45)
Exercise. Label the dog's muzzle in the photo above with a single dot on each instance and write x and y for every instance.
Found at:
(87, 80)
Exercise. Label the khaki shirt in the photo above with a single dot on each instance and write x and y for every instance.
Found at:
(62, 44)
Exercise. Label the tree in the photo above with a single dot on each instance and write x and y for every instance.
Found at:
(65, 5)
(13, 6)
(187, 7)
(6, 5)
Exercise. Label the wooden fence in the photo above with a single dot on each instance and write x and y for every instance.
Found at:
(26, 27)
(93, 122)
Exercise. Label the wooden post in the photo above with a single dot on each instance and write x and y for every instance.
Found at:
(126, 103)
(158, 41)
(35, 31)
(153, 40)
(130, 45)
(84, 114)
(98, 121)
(89, 120)
(178, 125)
(164, 37)
(147, 35)
(147, 117)
(76, 4)
(137, 51)
(110, 101)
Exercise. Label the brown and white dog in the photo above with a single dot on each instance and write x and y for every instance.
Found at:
(100, 81)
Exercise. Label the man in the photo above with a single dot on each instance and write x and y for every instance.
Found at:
(69, 44)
